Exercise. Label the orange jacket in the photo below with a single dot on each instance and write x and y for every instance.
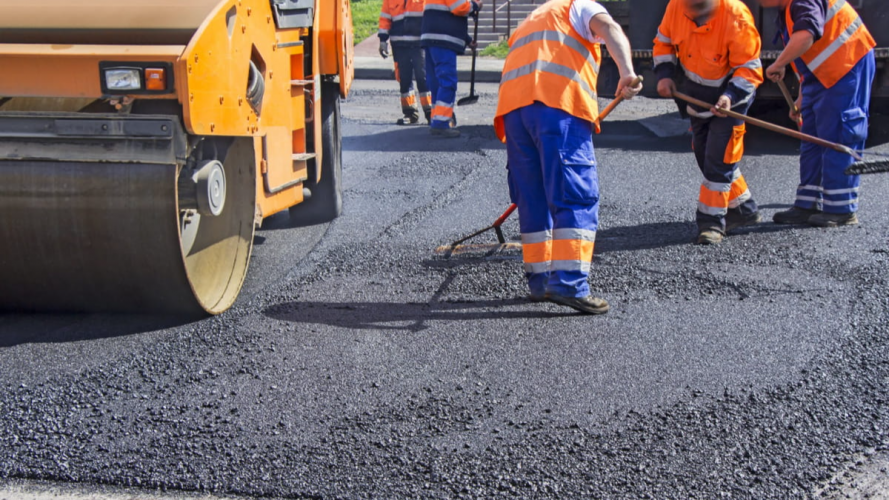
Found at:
(549, 62)
(401, 21)
(727, 47)
(845, 41)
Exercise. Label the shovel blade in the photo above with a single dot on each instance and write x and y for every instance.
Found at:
(466, 101)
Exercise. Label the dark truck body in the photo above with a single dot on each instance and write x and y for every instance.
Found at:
(640, 20)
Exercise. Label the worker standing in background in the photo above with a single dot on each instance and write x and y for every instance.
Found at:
(546, 114)
(832, 51)
(718, 47)
(445, 35)
(400, 25)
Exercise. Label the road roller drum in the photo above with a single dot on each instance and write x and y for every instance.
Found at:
(141, 144)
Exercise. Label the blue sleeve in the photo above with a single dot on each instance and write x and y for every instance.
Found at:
(665, 70)
(809, 15)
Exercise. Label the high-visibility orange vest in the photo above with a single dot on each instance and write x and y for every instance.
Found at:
(845, 41)
(726, 46)
(549, 62)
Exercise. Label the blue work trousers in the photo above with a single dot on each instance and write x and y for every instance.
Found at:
(838, 114)
(553, 180)
(441, 76)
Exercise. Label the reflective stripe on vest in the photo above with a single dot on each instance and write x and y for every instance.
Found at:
(845, 42)
(551, 63)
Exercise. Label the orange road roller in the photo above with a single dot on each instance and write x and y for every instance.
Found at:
(143, 141)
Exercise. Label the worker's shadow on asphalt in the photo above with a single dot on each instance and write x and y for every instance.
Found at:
(665, 234)
(411, 316)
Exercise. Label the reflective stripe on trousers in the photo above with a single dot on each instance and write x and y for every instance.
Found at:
(838, 114)
(553, 180)
(723, 187)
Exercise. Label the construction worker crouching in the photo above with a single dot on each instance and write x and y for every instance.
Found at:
(445, 34)
(718, 47)
(400, 25)
(832, 52)
(546, 114)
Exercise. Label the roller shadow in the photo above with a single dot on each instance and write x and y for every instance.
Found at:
(25, 328)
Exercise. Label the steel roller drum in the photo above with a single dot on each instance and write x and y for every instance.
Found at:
(87, 236)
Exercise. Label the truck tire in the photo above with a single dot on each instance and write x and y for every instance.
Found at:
(326, 202)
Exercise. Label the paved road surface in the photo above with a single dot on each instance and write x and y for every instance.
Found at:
(357, 364)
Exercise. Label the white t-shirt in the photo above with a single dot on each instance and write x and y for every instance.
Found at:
(582, 11)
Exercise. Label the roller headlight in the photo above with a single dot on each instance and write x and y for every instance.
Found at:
(118, 79)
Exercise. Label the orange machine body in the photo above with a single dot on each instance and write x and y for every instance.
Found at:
(51, 51)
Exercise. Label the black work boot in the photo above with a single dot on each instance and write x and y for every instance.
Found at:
(795, 215)
(833, 220)
(586, 305)
(735, 219)
(409, 119)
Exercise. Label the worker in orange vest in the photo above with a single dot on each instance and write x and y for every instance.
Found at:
(716, 44)
(400, 24)
(546, 114)
(832, 53)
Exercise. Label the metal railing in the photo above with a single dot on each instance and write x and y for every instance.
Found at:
(507, 4)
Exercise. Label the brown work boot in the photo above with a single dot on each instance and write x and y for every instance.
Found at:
(586, 305)
(795, 215)
(833, 220)
(710, 236)
(448, 133)
(735, 219)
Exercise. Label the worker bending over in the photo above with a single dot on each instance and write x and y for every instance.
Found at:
(445, 34)
(832, 52)
(400, 25)
(717, 45)
(546, 114)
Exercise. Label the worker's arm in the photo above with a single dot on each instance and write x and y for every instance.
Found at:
(465, 8)
(665, 59)
(743, 56)
(604, 27)
(800, 43)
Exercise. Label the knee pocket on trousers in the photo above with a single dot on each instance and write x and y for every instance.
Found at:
(734, 151)
(854, 126)
(579, 181)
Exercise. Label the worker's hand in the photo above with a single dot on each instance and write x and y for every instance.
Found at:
(473, 45)
(797, 117)
(775, 73)
(384, 49)
(666, 87)
(625, 88)
(724, 102)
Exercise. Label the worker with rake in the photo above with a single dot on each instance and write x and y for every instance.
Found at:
(546, 114)
(832, 53)
(716, 44)
(445, 34)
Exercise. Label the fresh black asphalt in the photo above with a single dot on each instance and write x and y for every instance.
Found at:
(359, 364)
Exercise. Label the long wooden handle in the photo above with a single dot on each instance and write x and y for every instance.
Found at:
(790, 102)
(617, 100)
(771, 126)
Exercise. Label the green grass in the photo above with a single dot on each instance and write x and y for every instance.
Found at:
(498, 50)
(365, 18)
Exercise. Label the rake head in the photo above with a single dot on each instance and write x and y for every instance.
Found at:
(868, 167)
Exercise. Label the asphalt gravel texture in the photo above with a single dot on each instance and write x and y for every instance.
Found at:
(359, 364)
